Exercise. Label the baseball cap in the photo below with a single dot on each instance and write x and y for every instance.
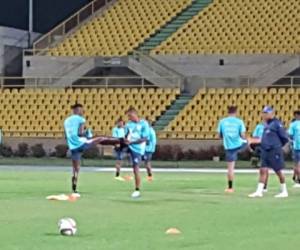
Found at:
(268, 109)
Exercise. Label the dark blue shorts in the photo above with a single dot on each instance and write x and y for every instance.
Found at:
(296, 156)
(76, 153)
(147, 156)
(273, 158)
(232, 154)
(119, 154)
(136, 158)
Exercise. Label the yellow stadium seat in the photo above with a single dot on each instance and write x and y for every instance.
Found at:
(226, 27)
(40, 112)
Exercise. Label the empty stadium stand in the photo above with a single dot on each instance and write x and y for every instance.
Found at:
(199, 119)
(40, 112)
(125, 25)
(238, 27)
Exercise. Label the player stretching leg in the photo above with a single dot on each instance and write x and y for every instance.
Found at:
(150, 149)
(78, 142)
(232, 130)
(273, 139)
(256, 147)
(294, 133)
(137, 132)
(119, 132)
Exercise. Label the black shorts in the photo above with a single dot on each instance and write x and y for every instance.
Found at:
(273, 158)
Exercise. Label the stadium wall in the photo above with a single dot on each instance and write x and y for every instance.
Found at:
(230, 70)
(12, 41)
(50, 143)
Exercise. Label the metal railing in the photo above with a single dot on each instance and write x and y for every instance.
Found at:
(83, 82)
(79, 18)
(245, 82)
(141, 82)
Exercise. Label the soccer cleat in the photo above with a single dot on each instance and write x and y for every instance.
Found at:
(149, 178)
(136, 194)
(119, 178)
(296, 185)
(229, 190)
(255, 195)
(282, 195)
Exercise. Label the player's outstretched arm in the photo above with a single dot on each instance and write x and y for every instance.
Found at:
(105, 140)
(253, 140)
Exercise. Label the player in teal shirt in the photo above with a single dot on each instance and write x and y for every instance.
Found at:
(79, 140)
(136, 134)
(119, 132)
(294, 133)
(258, 131)
(150, 149)
(232, 130)
(256, 149)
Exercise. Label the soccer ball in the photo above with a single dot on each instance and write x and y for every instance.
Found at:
(67, 227)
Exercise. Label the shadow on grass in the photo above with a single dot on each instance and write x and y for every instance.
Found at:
(78, 235)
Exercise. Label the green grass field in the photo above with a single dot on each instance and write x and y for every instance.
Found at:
(53, 161)
(108, 218)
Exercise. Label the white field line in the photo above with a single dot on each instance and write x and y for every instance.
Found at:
(111, 169)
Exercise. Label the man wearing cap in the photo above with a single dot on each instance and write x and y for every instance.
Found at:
(274, 138)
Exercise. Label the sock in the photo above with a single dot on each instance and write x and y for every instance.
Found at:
(137, 189)
(266, 186)
(283, 187)
(230, 184)
(260, 187)
(117, 174)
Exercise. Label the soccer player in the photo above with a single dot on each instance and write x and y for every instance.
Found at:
(150, 149)
(136, 136)
(232, 130)
(77, 140)
(294, 133)
(119, 132)
(256, 148)
(273, 139)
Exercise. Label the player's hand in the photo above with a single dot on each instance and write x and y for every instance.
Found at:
(126, 141)
(286, 149)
